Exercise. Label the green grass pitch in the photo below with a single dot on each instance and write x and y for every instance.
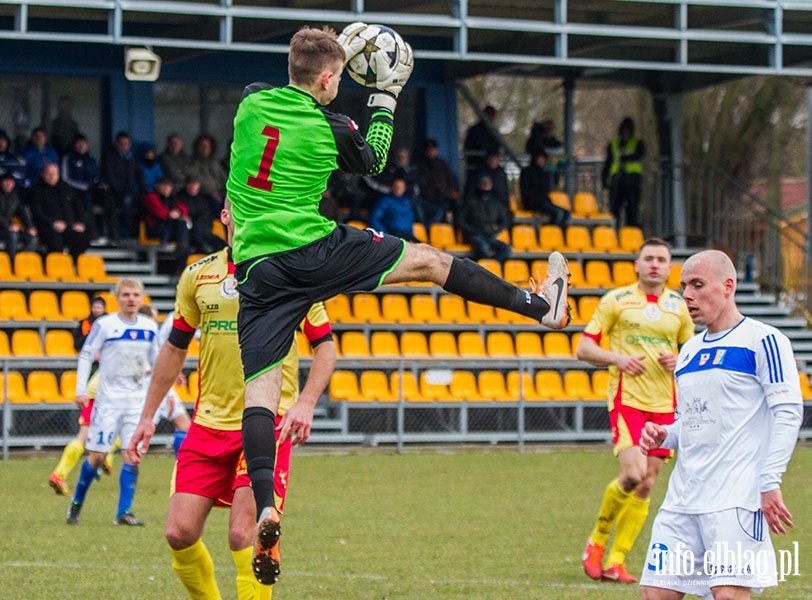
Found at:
(443, 523)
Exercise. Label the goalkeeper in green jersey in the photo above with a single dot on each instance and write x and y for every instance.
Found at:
(286, 144)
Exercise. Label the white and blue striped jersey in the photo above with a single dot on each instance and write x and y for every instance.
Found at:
(726, 385)
(126, 354)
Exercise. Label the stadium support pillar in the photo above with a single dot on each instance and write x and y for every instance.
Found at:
(440, 117)
(569, 123)
(676, 164)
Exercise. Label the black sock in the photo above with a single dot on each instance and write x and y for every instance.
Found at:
(259, 446)
(474, 282)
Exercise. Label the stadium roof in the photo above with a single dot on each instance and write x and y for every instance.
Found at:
(674, 45)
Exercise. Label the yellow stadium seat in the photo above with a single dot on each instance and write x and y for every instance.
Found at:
(503, 315)
(302, 345)
(630, 239)
(584, 204)
(500, 345)
(557, 345)
(183, 393)
(443, 344)
(6, 274)
(338, 309)
(16, 387)
(623, 272)
(575, 339)
(523, 238)
(90, 267)
(194, 348)
(464, 386)
(43, 387)
(384, 344)
(193, 383)
(395, 309)
(59, 342)
(587, 306)
(604, 239)
(491, 265)
(410, 391)
(452, 309)
(600, 383)
(375, 387)
(528, 344)
(442, 236)
(13, 306)
(538, 269)
(503, 236)
(551, 237)
(470, 345)
(549, 385)
(491, 385)
(366, 308)
(110, 301)
(481, 313)
(419, 232)
(577, 385)
(193, 258)
(598, 274)
(806, 389)
(516, 272)
(28, 266)
(560, 199)
(518, 387)
(218, 229)
(357, 224)
(354, 343)
(25, 342)
(344, 386)
(44, 306)
(67, 386)
(413, 344)
(674, 277)
(5, 347)
(578, 239)
(423, 309)
(576, 271)
(75, 305)
(143, 239)
(431, 390)
(59, 267)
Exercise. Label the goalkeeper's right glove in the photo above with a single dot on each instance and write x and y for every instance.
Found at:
(350, 41)
(390, 79)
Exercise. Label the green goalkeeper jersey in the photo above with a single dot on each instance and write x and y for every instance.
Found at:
(285, 147)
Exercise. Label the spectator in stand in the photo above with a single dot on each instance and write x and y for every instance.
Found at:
(438, 190)
(201, 208)
(481, 218)
(15, 236)
(11, 162)
(81, 172)
(166, 218)
(492, 168)
(205, 168)
(480, 140)
(118, 171)
(149, 171)
(394, 213)
(37, 154)
(63, 128)
(174, 161)
(404, 169)
(58, 215)
(623, 173)
(542, 139)
(534, 184)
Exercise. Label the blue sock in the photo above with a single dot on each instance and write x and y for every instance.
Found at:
(86, 477)
(126, 484)
(178, 440)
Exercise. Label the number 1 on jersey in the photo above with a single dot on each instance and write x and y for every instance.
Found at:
(262, 180)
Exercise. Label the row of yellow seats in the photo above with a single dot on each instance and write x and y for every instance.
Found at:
(47, 305)
(468, 344)
(421, 308)
(584, 205)
(58, 343)
(489, 385)
(45, 386)
(28, 266)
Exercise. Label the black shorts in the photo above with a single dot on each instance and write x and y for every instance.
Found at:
(277, 291)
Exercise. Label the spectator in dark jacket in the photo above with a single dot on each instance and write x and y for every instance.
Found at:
(174, 161)
(394, 213)
(57, 215)
(492, 168)
(63, 128)
(202, 210)
(165, 217)
(480, 140)
(15, 235)
(97, 308)
(37, 154)
(481, 218)
(118, 169)
(438, 190)
(81, 172)
(534, 183)
(11, 162)
(205, 168)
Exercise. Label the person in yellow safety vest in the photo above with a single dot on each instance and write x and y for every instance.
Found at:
(623, 174)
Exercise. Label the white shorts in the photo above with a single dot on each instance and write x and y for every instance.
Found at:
(107, 422)
(692, 553)
(171, 408)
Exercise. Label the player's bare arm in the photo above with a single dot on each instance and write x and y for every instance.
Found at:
(667, 361)
(82, 401)
(590, 351)
(652, 437)
(775, 512)
(167, 367)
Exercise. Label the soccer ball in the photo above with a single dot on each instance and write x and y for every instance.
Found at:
(377, 37)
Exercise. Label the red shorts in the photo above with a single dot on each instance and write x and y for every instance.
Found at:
(628, 423)
(211, 464)
(84, 416)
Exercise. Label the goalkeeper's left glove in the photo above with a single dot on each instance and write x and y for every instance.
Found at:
(350, 41)
(390, 79)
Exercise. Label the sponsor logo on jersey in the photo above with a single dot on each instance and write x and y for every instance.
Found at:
(205, 276)
(228, 289)
(352, 125)
(652, 312)
(703, 358)
(670, 305)
(720, 356)
(218, 325)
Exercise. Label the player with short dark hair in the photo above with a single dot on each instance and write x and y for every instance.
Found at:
(286, 145)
